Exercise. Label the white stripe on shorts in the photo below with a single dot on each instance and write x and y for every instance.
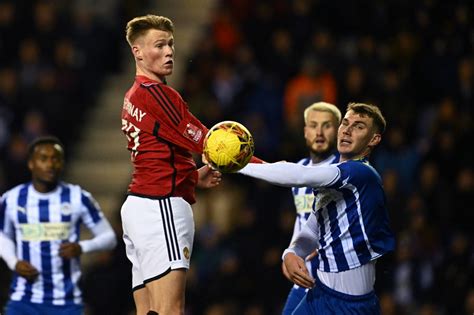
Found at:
(170, 229)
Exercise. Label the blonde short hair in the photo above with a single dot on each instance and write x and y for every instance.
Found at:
(323, 107)
(140, 25)
(371, 111)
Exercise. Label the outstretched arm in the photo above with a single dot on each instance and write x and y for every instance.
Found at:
(292, 174)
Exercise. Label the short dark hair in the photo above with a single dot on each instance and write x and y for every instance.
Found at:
(43, 140)
(371, 111)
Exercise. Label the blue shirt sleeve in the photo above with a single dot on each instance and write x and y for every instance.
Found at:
(357, 173)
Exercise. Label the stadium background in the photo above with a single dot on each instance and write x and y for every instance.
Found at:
(64, 66)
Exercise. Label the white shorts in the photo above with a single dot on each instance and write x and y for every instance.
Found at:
(158, 236)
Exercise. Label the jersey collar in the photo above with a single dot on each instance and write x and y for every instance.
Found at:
(141, 79)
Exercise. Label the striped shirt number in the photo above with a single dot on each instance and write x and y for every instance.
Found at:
(132, 133)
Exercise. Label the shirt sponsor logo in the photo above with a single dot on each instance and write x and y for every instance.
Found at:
(324, 197)
(192, 132)
(304, 203)
(44, 231)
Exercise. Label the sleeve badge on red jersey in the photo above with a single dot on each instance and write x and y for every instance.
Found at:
(192, 132)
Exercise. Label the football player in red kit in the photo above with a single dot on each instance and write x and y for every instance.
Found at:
(162, 134)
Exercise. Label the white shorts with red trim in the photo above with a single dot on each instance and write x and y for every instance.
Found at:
(158, 236)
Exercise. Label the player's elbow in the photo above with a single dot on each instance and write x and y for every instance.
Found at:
(111, 242)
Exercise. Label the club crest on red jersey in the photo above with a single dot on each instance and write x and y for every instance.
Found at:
(192, 132)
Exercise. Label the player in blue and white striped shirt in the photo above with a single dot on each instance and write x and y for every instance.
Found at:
(349, 223)
(39, 235)
(320, 132)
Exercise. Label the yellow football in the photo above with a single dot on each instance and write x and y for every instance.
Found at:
(228, 146)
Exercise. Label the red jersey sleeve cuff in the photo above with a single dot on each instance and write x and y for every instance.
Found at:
(256, 160)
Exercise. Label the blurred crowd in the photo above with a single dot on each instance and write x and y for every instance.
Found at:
(53, 58)
(261, 62)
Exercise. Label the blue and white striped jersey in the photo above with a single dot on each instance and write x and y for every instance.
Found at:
(38, 223)
(349, 224)
(304, 199)
(352, 219)
(304, 196)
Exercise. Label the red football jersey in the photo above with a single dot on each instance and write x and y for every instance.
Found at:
(161, 134)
